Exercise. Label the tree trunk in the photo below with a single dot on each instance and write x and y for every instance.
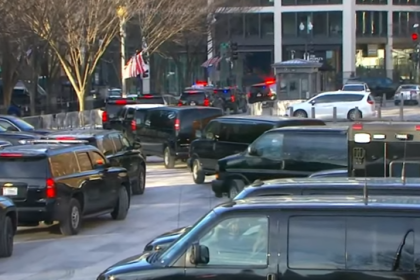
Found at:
(81, 98)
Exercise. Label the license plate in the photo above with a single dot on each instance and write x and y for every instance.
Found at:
(259, 95)
(192, 103)
(10, 191)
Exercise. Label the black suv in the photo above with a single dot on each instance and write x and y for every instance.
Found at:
(232, 99)
(305, 186)
(230, 135)
(378, 85)
(8, 226)
(287, 237)
(168, 131)
(200, 97)
(118, 150)
(263, 92)
(63, 183)
(283, 153)
(113, 106)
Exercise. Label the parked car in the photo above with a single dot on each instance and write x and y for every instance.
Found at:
(349, 105)
(229, 135)
(357, 87)
(288, 236)
(168, 131)
(286, 152)
(8, 225)
(62, 183)
(304, 186)
(12, 123)
(118, 150)
(378, 85)
(408, 93)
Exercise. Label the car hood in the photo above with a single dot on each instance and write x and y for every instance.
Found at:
(135, 263)
(232, 159)
(166, 238)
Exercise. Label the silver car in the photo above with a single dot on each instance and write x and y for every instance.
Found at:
(408, 93)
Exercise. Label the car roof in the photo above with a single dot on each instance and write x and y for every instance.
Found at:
(311, 128)
(343, 92)
(263, 118)
(49, 149)
(381, 125)
(323, 202)
(186, 108)
(81, 133)
(412, 85)
(355, 84)
(144, 106)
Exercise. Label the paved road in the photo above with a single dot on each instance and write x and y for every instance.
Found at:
(171, 200)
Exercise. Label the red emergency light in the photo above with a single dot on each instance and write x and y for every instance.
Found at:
(201, 83)
(270, 81)
(414, 36)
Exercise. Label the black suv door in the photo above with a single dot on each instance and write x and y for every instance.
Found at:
(205, 147)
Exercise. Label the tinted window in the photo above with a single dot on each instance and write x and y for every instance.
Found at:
(350, 97)
(161, 119)
(212, 131)
(117, 141)
(354, 243)
(64, 164)
(23, 124)
(8, 126)
(125, 143)
(193, 95)
(328, 98)
(238, 241)
(140, 116)
(130, 113)
(96, 158)
(411, 169)
(84, 162)
(23, 167)
(243, 132)
(354, 88)
(108, 145)
(321, 147)
(269, 145)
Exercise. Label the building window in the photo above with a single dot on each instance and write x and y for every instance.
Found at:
(320, 23)
(372, 2)
(406, 2)
(371, 23)
(335, 24)
(236, 24)
(267, 24)
(252, 24)
(402, 23)
(222, 26)
(309, 2)
(289, 24)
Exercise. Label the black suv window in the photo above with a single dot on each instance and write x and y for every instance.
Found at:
(243, 132)
(115, 137)
(23, 167)
(84, 161)
(269, 145)
(64, 164)
(108, 145)
(130, 113)
(212, 131)
(161, 119)
(193, 95)
(351, 243)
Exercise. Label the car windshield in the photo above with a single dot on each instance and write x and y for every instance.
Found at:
(23, 167)
(23, 124)
(179, 244)
(408, 87)
(354, 88)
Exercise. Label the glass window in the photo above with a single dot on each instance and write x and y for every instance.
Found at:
(319, 21)
(130, 113)
(125, 143)
(238, 241)
(327, 98)
(267, 24)
(335, 22)
(252, 24)
(108, 146)
(23, 124)
(222, 24)
(350, 97)
(237, 24)
(115, 137)
(288, 23)
(269, 145)
(162, 119)
(84, 162)
(64, 164)
(244, 132)
(353, 87)
(139, 116)
(8, 126)
(23, 167)
(325, 148)
(316, 243)
(372, 2)
(212, 131)
(96, 157)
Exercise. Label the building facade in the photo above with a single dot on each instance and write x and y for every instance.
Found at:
(349, 36)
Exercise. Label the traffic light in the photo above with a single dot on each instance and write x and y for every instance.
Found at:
(234, 51)
(414, 36)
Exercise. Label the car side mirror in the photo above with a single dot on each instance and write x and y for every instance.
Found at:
(100, 164)
(252, 151)
(136, 145)
(313, 102)
(200, 254)
(198, 134)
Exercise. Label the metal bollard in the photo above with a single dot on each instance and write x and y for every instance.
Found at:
(383, 103)
(334, 114)
(379, 112)
(356, 116)
(290, 111)
(402, 107)
(313, 112)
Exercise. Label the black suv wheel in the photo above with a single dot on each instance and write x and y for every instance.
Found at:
(168, 159)
(197, 172)
(6, 238)
(123, 203)
(71, 222)
(141, 181)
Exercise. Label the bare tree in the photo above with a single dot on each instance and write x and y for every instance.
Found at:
(78, 32)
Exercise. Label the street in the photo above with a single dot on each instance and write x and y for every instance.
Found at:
(171, 200)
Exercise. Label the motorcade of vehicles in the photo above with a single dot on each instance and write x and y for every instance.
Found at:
(329, 235)
(265, 92)
(286, 152)
(113, 106)
(117, 149)
(384, 149)
(305, 186)
(62, 183)
(228, 135)
(8, 226)
(18, 137)
(168, 131)
(355, 87)
(233, 99)
(204, 95)
(408, 93)
(378, 85)
(348, 105)
(15, 124)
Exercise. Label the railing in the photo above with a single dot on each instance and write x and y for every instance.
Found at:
(89, 118)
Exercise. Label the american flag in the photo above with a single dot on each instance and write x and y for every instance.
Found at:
(135, 66)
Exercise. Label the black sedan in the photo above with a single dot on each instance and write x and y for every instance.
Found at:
(12, 123)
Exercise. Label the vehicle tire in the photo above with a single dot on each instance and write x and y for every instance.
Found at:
(300, 113)
(123, 203)
(141, 182)
(6, 238)
(71, 222)
(235, 187)
(197, 172)
(354, 114)
(168, 159)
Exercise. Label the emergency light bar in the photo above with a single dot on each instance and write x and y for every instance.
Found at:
(58, 141)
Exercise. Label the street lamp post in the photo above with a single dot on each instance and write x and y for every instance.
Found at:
(308, 27)
(121, 12)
